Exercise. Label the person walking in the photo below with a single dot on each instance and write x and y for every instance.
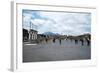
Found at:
(82, 42)
(88, 42)
(76, 41)
(53, 40)
(60, 41)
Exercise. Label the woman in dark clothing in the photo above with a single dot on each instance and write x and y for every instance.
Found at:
(60, 41)
(76, 41)
(88, 42)
(54, 40)
(82, 42)
(46, 40)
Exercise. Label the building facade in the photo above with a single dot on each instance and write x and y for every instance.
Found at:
(25, 35)
(32, 34)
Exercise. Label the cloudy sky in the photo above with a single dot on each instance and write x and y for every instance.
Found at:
(65, 23)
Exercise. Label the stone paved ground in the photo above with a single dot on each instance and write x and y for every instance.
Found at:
(50, 51)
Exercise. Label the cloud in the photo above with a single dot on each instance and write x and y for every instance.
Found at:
(58, 22)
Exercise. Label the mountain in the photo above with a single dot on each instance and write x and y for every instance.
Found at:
(50, 33)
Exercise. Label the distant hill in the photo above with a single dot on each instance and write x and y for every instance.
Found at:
(50, 33)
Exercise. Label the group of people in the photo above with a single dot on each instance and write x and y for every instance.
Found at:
(83, 41)
(76, 40)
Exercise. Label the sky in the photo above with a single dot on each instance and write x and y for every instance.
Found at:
(65, 23)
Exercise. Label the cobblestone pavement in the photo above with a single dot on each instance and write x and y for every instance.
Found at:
(50, 51)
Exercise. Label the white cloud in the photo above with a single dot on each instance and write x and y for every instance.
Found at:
(60, 22)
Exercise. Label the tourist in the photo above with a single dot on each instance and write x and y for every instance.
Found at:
(60, 41)
(54, 40)
(82, 42)
(76, 41)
